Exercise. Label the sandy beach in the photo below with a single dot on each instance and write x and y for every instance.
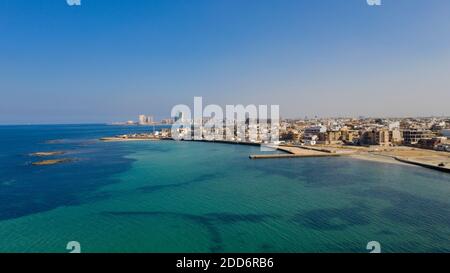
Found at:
(401, 155)
(404, 155)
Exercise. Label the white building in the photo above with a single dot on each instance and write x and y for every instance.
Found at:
(394, 126)
(145, 120)
(142, 119)
(310, 139)
(315, 130)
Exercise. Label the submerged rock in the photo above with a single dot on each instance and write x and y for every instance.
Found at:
(52, 161)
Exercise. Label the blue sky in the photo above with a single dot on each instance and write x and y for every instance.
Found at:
(110, 60)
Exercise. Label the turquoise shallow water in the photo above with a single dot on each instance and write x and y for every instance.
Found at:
(200, 197)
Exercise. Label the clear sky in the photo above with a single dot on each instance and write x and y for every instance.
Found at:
(110, 60)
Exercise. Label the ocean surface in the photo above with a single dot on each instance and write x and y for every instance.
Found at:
(172, 196)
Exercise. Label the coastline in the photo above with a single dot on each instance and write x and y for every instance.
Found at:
(378, 158)
(120, 139)
(397, 157)
(387, 156)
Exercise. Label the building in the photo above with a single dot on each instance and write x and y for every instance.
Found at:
(431, 143)
(330, 137)
(375, 137)
(142, 119)
(382, 137)
(394, 126)
(145, 120)
(412, 136)
(445, 147)
(310, 139)
(167, 121)
(395, 137)
(290, 135)
(315, 130)
(349, 136)
(311, 134)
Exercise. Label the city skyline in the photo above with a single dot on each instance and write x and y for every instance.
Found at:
(100, 63)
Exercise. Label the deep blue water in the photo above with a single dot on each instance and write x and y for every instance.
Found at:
(26, 189)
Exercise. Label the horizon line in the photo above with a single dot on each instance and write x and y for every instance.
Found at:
(297, 118)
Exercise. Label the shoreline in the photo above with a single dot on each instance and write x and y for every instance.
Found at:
(300, 152)
(121, 139)
(378, 158)
(306, 151)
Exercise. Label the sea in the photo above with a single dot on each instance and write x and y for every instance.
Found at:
(195, 197)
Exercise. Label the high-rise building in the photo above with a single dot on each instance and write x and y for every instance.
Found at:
(145, 120)
(142, 119)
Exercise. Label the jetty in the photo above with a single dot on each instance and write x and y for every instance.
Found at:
(131, 137)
